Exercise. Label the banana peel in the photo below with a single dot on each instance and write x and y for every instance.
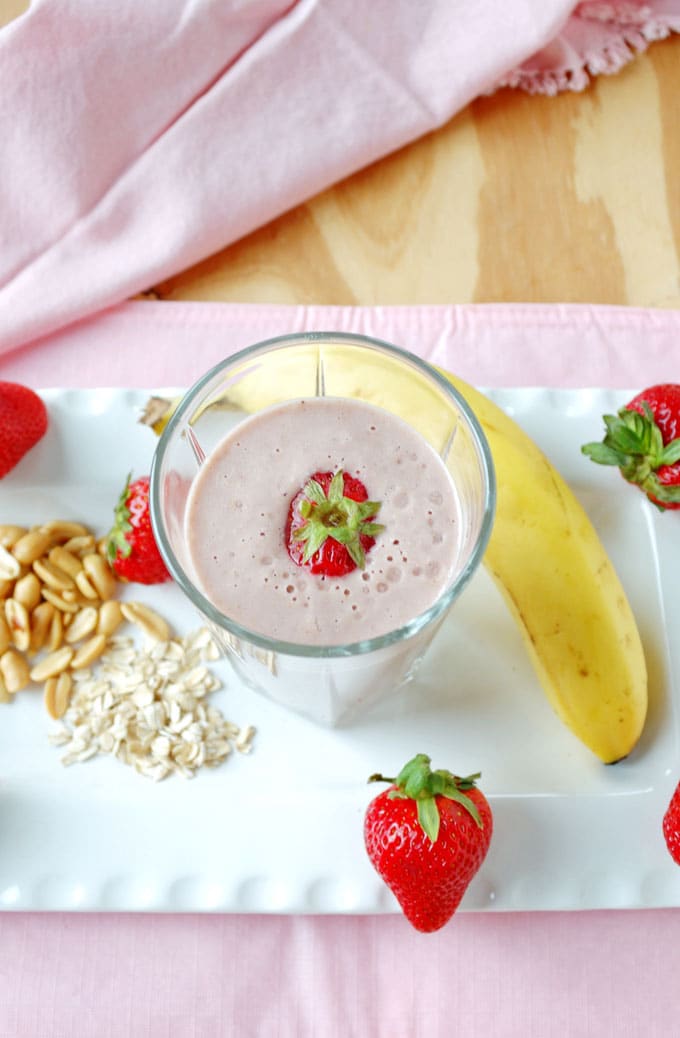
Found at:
(552, 570)
(560, 586)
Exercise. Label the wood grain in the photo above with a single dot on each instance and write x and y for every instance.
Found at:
(567, 199)
(11, 9)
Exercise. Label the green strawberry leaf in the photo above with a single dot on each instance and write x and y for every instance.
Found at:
(623, 437)
(671, 452)
(452, 793)
(634, 443)
(314, 492)
(603, 454)
(428, 816)
(336, 491)
(314, 536)
(372, 529)
(413, 777)
(668, 495)
(117, 542)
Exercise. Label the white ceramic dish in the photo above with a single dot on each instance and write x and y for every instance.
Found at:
(281, 830)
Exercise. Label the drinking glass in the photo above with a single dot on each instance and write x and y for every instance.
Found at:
(330, 684)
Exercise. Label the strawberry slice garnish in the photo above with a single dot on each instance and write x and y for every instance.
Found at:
(330, 524)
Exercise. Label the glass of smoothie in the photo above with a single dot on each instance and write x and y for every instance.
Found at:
(323, 499)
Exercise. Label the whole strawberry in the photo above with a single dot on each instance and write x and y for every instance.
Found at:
(644, 441)
(426, 837)
(131, 548)
(671, 826)
(23, 421)
(330, 524)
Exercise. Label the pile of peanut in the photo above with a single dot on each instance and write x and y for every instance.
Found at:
(57, 590)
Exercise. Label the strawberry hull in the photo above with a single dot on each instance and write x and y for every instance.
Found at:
(643, 441)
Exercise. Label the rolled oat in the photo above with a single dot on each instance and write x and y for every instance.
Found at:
(147, 707)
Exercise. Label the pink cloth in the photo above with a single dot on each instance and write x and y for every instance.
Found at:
(599, 38)
(137, 139)
(151, 344)
(530, 975)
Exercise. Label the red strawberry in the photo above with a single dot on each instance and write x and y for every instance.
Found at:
(23, 421)
(671, 826)
(329, 527)
(131, 548)
(426, 837)
(644, 441)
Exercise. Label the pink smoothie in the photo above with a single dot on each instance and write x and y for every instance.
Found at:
(238, 506)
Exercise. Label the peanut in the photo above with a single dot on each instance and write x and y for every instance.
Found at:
(6, 588)
(5, 634)
(76, 596)
(27, 591)
(41, 620)
(65, 560)
(52, 576)
(85, 586)
(14, 670)
(84, 622)
(59, 602)
(57, 599)
(10, 534)
(62, 530)
(56, 634)
(10, 567)
(99, 572)
(80, 545)
(19, 624)
(110, 618)
(89, 652)
(51, 665)
(57, 694)
(147, 620)
(31, 546)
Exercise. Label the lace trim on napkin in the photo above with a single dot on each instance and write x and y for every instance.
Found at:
(598, 39)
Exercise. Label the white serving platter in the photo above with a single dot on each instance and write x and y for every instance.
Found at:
(280, 830)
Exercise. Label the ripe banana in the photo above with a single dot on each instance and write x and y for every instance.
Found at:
(556, 577)
(561, 587)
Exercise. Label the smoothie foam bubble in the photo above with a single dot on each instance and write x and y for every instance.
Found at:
(238, 505)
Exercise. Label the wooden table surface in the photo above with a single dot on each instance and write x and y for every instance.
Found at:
(574, 198)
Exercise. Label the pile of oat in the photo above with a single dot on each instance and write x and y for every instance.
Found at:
(148, 707)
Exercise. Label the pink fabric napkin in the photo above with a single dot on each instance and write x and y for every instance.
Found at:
(597, 974)
(138, 139)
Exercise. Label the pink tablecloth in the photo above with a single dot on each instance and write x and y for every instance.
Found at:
(551, 974)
